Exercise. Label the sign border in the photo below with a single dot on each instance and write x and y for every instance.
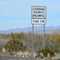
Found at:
(46, 15)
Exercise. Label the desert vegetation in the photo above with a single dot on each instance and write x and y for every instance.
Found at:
(16, 42)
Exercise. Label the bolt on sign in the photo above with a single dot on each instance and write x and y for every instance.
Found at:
(39, 15)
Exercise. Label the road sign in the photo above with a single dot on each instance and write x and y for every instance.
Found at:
(38, 14)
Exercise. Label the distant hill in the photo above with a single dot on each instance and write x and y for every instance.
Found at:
(37, 29)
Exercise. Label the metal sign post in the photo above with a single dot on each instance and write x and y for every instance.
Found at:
(44, 41)
(32, 40)
(38, 18)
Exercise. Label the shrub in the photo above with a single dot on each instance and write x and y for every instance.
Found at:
(45, 52)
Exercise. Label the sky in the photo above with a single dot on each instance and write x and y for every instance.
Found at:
(17, 13)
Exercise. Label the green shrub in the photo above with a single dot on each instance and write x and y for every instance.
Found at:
(45, 52)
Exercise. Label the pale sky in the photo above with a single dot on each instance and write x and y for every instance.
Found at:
(17, 13)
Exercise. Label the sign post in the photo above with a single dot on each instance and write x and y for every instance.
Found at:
(32, 40)
(38, 18)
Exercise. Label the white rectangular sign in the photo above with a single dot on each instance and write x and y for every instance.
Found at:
(38, 14)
